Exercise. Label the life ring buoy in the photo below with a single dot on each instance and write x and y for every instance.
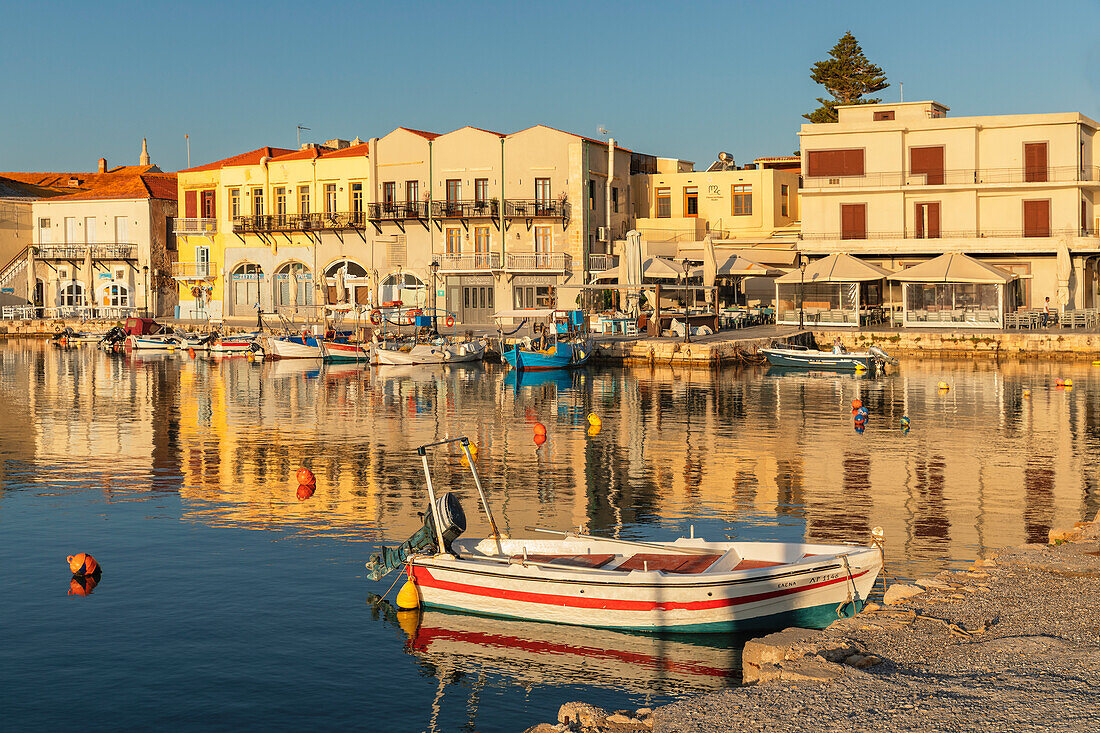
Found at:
(376, 316)
(450, 321)
(411, 315)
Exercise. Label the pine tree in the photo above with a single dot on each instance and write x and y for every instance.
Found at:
(847, 75)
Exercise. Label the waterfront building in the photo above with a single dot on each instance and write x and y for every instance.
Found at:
(901, 183)
(101, 239)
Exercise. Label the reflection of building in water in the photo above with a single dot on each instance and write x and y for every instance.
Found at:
(982, 467)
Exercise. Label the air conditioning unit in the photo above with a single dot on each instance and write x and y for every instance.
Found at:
(601, 234)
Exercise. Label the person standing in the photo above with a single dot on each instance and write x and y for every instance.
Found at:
(1046, 312)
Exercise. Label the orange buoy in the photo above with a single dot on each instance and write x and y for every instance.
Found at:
(305, 491)
(191, 353)
(540, 429)
(82, 564)
(82, 586)
(306, 477)
(856, 404)
(540, 438)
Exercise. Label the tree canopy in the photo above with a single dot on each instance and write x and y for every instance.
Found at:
(847, 76)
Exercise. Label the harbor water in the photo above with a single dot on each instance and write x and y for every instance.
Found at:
(226, 601)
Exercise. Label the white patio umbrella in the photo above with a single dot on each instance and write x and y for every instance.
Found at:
(89, 276)
(1065, 271)
(293, 287)
(710, 267)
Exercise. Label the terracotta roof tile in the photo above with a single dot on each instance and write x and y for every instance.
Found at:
(127, 186)
(421, 133)
(252, 157)
(593, 141)
(349, 152)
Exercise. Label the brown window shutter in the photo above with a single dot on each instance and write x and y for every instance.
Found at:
(208, 210)
(884, 116)
(933, 220)
(1037, 218)
(1035, 162)
(190, 204)
(929, 162)
(853, 221)
(830, 163)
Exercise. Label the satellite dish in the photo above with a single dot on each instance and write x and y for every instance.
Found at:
(601, 130)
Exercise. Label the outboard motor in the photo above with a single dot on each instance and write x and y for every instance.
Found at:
(423, 541)
(113, 338)
(881, 355)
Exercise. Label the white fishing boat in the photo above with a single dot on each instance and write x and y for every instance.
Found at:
(415, 354)
(238, 344)
(157, 342)
(464, 352)
(294, 346)
(687, 585)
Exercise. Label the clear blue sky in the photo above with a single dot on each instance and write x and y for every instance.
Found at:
(686, 79)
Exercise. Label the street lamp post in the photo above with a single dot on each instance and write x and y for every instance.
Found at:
(687, 326)
(801, 293)
(435, 294)
(145, 285)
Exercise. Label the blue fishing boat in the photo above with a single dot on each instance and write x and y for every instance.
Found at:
(559, 355)
(801, 357)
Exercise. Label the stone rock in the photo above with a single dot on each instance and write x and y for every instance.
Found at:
(642, 712)
(862, 661)
(774, 648)
(871, 607)
(927, 583)
(899, 592)
(810, 669)
(587, 716)
(619, 718)
(543, 728)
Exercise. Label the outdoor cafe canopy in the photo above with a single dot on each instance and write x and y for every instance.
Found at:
(836, 268)
(953, 290)
(738, 266)
(827, 292)
(655, 268)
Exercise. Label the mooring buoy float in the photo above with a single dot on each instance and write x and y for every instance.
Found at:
(408, 597)
(82, 564)
(540, 429)
(306, 477)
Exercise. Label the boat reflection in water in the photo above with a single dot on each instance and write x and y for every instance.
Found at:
(533, 653)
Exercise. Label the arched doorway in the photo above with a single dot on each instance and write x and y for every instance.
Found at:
(357, 288)
(406, 287)
(117, 295)
(302, 286)
(245, 289)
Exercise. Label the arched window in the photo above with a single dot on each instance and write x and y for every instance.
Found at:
(406, 287)
(357, 288)
(351, 269)
(72, 293)
(116, 295)
(296, 278)
(405, 280)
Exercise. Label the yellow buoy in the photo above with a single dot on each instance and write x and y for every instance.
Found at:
(251, 356)
(593, 419)
(408, 597)
(1096, 363)
(1069, 382)
(594, 429)
(409, 621)
(943, 385)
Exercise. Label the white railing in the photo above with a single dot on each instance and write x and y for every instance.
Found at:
(196, 226)
(601, 262)
(12, 271)
(539, 262)
(471, 261)
(194, 270)
(98, 250)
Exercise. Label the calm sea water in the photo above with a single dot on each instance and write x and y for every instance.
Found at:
(226, 602)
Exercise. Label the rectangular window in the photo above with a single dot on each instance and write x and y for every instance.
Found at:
(208, 204)
(303, 199)
(454, 241)
(280, 201)
(1035, 162)
(70, 229)
(454, 190)
(543, 239)
(190, 204)
(89, 230)
(357, 198)
(884, 115)
(835, 163)
(122, 230)
(615, 199)
(412, 191)
(928, 220)
(257, 202)
(481, 190)
(1037, 218)
(389, 192)
(742, 199)
(591, 195)
(330, 198)
(784, 199)
(691, 201)
(234, 202)
(663, 203)
(481, 240)
(45, 234)
(853, 221)
(202, 261)
(927, 161)
(542, 190)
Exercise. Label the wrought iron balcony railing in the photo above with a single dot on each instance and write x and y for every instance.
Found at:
(465, 209)
(539, 262)
(536, 208)
(958, 177)
(952, 234)
(394, 210)
(98, 250)
(601, 262)
(264, 223)
(194, 270)
(469, 262)
(195, 226)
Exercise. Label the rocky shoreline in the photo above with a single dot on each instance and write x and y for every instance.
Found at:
(1012, 643)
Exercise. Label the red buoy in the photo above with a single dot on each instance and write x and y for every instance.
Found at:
(306, 477)
(540, 429)
(856, 404)
(82, 564)
(540, 438)
(305, 491)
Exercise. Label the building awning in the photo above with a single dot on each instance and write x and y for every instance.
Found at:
(836, 268)
(658, 268)
(953, 267)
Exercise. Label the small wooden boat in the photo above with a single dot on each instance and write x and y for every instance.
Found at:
(559, 355)
(158, 342)
(466, 351)
(415, 354)
(237, 344)
(293, 346)
(337, 350)
(791, 355)
(688, 585)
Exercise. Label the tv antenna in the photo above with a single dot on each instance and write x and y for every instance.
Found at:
(300, 128)
(602, 130)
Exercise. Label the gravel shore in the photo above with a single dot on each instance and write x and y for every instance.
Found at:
(1012, 644)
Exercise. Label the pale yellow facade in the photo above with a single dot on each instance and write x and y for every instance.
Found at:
(899, 183)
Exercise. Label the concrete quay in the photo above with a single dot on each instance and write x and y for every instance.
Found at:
(1012, 643)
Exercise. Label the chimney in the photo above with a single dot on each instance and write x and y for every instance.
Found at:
(102, 165)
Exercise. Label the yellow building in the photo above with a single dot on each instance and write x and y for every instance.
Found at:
(900, 183)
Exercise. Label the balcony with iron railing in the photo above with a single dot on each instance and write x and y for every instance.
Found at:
(958, 177)
(398, 210)
(465, 209)
(194, 270)
(195, 227)
(536, 208)
(469, 262)
(98, 251)
(1037, 232)
(267, 223)
(538, 262)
